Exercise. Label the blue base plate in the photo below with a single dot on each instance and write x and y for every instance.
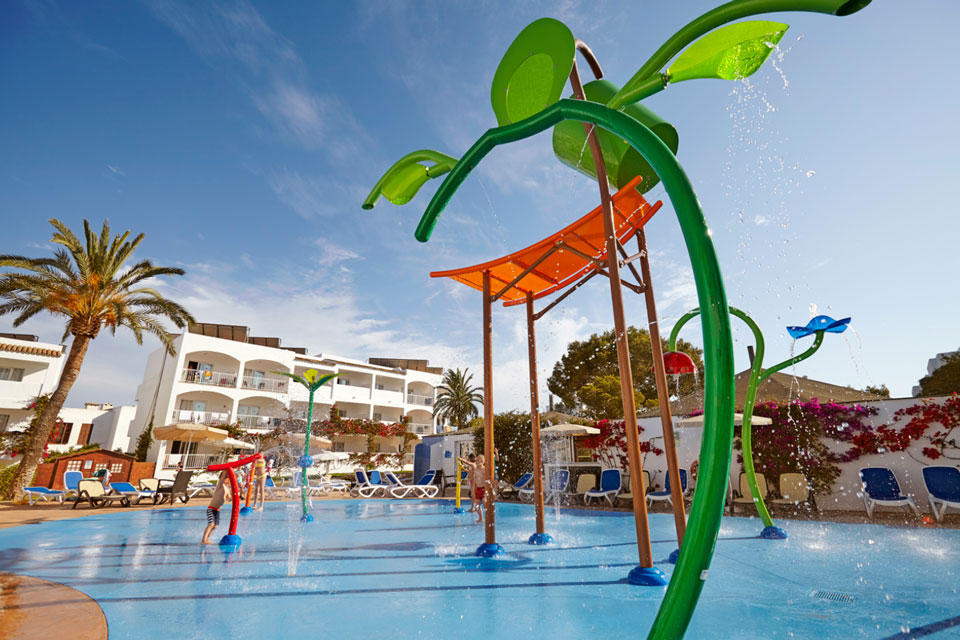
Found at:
(459, 510)
(647, 577)
(490, 550)
(773, 533)
(245, 510)
(230, 542)
(307, 517)
(540, 538)
(673, 556)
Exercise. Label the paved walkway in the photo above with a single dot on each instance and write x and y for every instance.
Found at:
(31, 608)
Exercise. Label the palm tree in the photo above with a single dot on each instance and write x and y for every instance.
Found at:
(457, 400)
(86, 283)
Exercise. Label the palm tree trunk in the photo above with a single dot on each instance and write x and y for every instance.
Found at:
(48, 418)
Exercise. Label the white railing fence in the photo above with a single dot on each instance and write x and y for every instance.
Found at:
(271, 385)
(212, 378)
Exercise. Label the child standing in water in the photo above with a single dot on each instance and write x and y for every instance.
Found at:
(220, 495)
(259, 482)
(479, 483)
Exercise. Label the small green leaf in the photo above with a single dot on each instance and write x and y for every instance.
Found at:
(403, 183)
(729, 53)
(324, 379)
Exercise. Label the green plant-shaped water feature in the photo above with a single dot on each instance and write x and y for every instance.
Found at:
(526, 99)
(817, 327)
(312, 380)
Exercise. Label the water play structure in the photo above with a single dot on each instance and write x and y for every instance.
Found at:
(626, 141)
(818, 326)
(312, 380)
(231, 541)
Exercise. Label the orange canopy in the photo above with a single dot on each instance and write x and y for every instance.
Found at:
(555, 260)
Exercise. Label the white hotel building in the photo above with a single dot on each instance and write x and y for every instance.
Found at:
(28, 369)
(222, 375)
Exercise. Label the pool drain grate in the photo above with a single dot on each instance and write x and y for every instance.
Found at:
(834, 596)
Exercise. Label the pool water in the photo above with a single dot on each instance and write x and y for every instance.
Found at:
(400, 569)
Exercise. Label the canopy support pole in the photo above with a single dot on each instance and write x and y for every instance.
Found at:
(644, 574)
(535, 421)
(663, 393)
(490, 546)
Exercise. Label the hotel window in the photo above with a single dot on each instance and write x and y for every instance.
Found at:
(342, 413)
(343, 381)
(4, 421)
(84, 437)
(74, 465)
(179, 446)
(338, 446)
(11, 374)
(116, 467)
(378, 416)
(61, 433)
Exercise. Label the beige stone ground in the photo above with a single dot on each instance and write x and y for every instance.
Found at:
(32, 609)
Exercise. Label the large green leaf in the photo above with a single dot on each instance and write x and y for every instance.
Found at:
(729, 53)
(533, 71)
(294, 377)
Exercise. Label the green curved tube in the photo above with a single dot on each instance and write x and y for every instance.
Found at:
(443, 163)
(717, 446)
(306, 451)
(716, 17)
(757, 376)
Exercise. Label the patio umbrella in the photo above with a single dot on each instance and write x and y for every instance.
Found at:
(190, 432)
(567, 429)
(697, 421)
(233, 443)
(316, 442)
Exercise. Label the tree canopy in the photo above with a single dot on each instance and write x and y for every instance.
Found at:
(944, 380)
(581, 377)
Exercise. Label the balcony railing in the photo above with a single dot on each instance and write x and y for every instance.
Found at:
(415, 427)
(413, 398)
(259, 422)
(270, 385)
(211, 418)
(212, 378)
(192, 460)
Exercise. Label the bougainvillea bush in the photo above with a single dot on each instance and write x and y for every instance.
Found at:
(609, 447)
(813, 438)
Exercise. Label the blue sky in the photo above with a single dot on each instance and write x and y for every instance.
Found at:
(241, 138)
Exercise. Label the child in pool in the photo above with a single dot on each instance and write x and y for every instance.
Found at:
(220, 495)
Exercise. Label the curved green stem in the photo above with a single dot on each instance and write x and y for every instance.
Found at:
(717, 446)
(442, 164)
(754, 383)
(757, 376)
(306, 451)
(794, 360)
(721, 15)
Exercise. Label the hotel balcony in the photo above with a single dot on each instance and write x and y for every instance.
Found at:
(270, 385)
(413, 398)
(209, 378)
(210, 418)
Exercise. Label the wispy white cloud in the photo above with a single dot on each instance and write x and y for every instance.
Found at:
(331, 254)
(116, 171)
(235, 37)
(310, 196)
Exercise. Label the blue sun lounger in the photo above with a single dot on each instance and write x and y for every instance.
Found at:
(554, 491)
(42, 494)
(127, 489)
(880, 488)
(665, 494)
(519, 485)
(943, 485)
(610, 485)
